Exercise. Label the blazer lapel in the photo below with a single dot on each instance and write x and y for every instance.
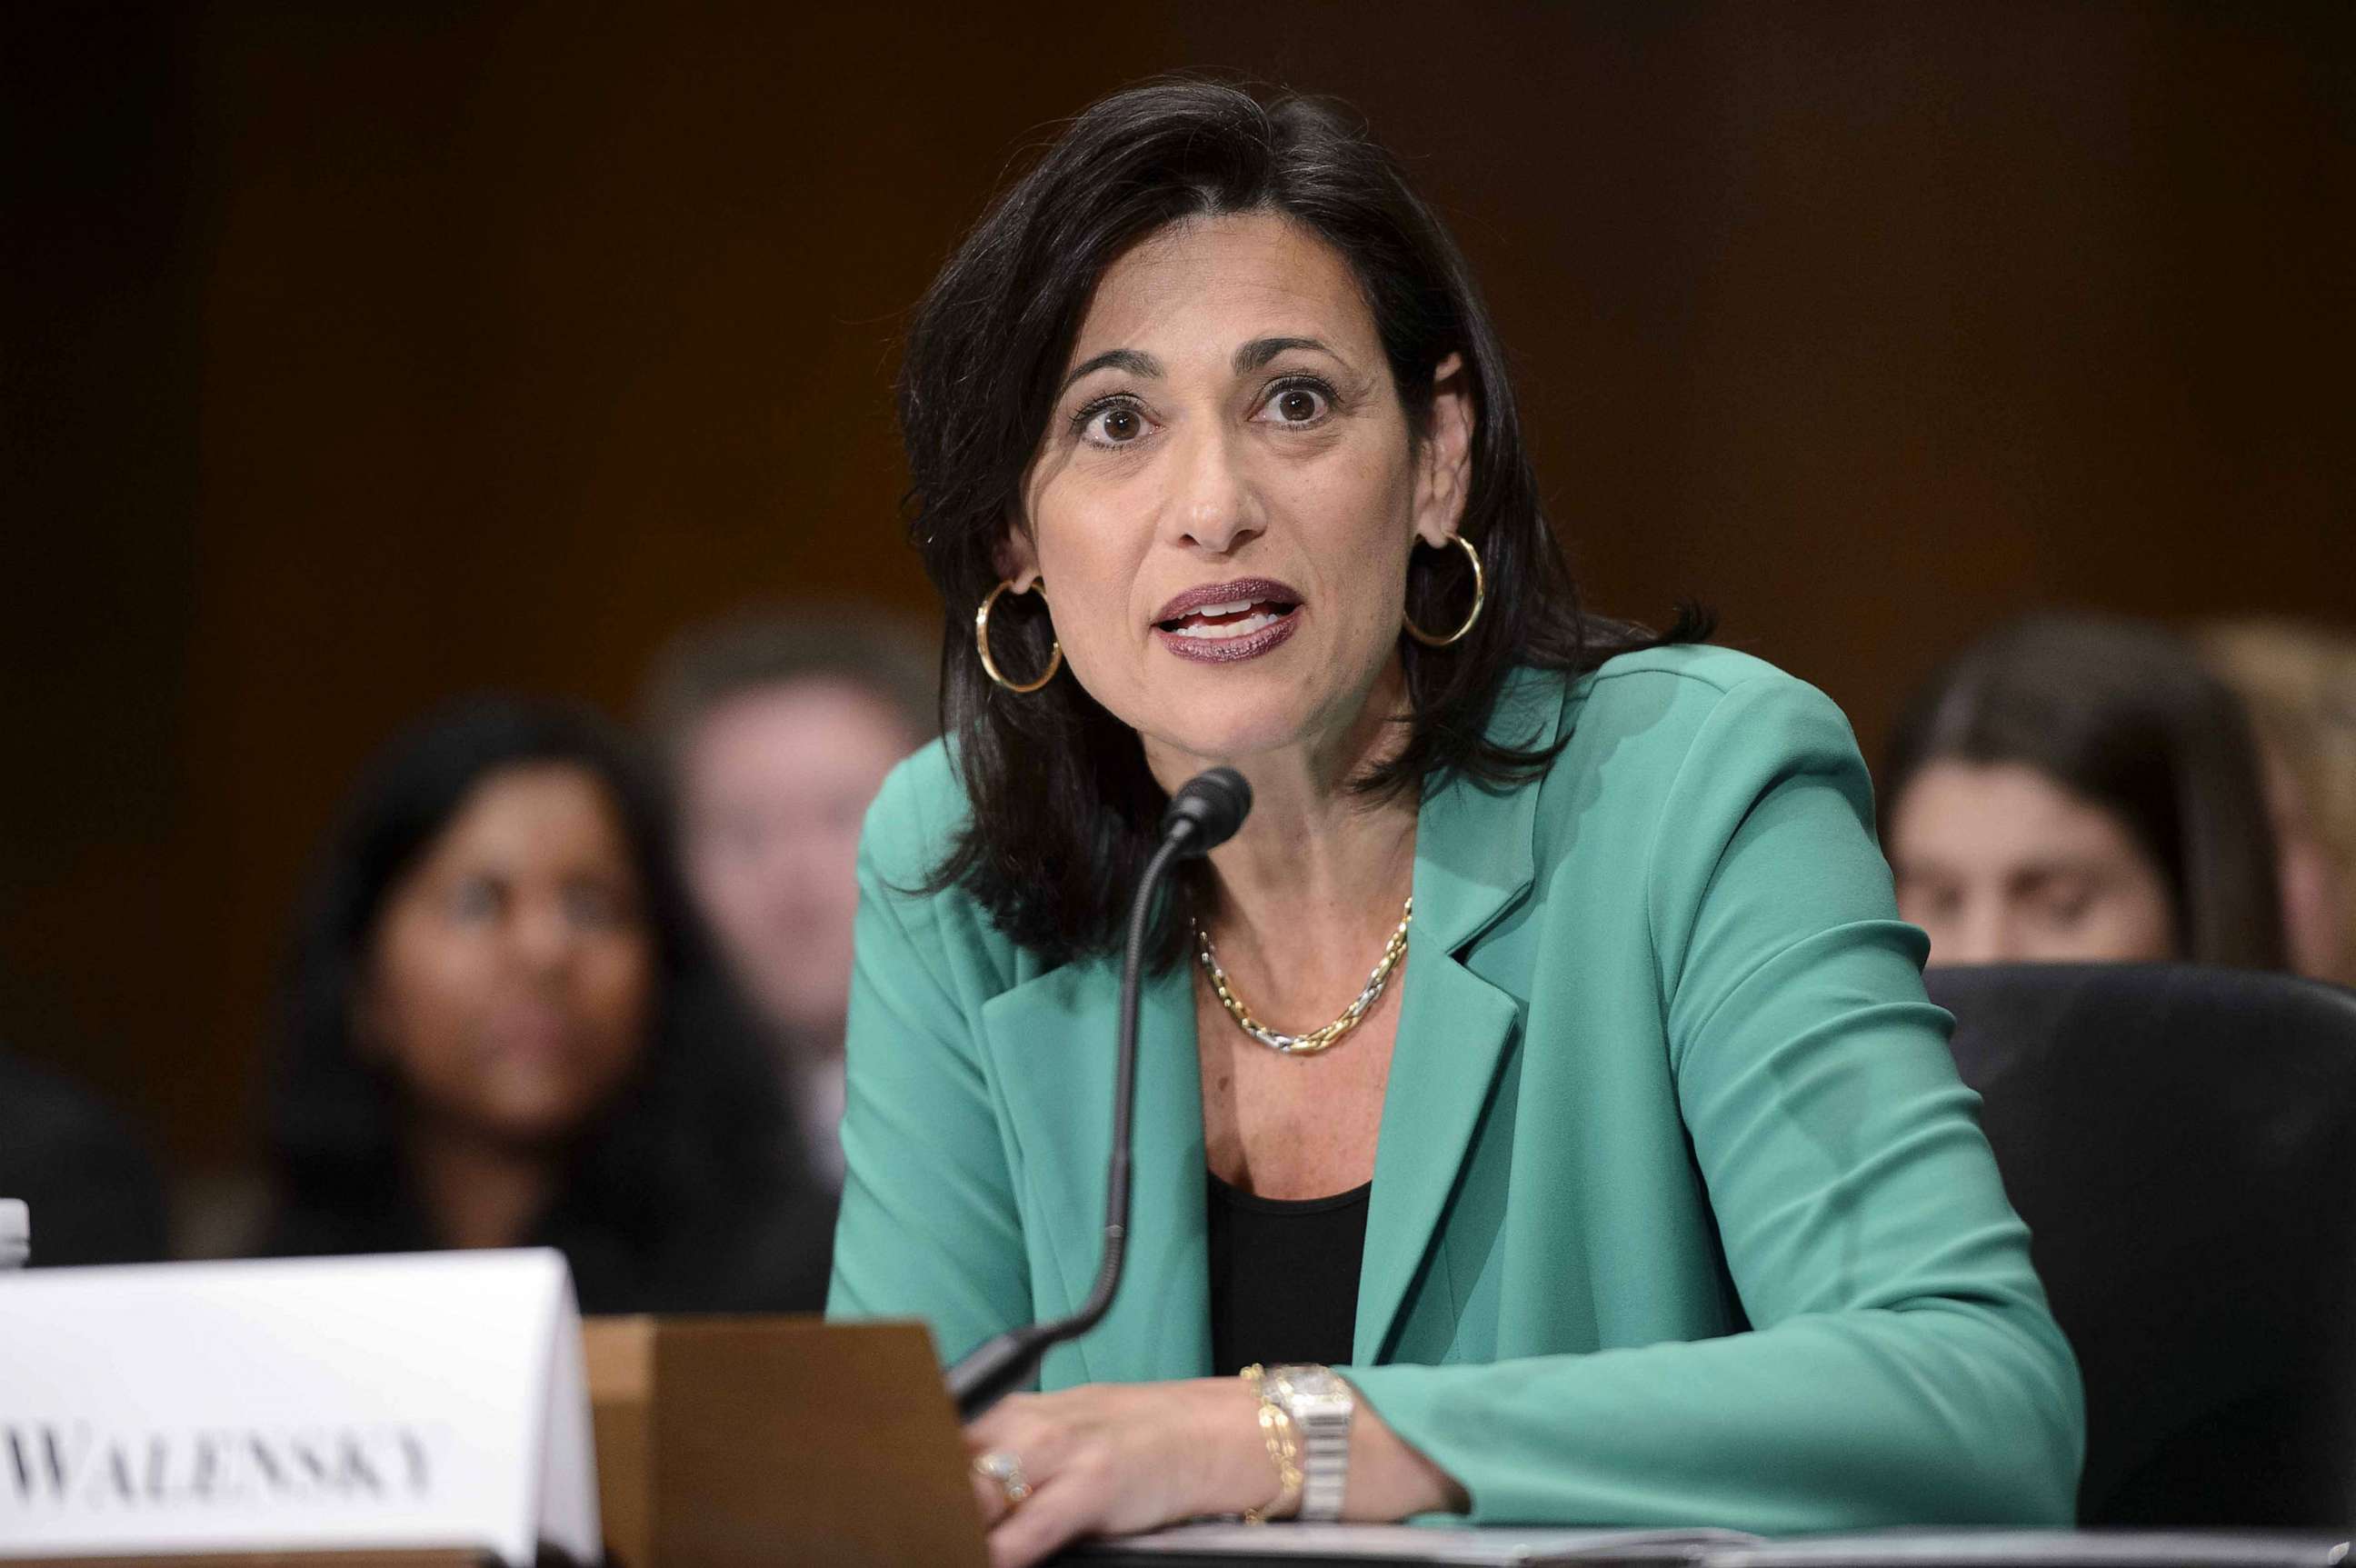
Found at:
(1050, 1043)
(1474, 859)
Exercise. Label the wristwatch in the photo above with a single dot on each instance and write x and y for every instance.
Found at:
(1320, 1404)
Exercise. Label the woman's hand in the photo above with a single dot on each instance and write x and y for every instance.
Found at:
(1113, 1458)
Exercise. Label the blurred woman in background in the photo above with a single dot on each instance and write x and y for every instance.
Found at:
(501, 1030)
(2080, 788)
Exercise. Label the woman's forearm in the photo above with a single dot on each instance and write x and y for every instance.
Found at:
(1953, 1412)
(1389, 1479)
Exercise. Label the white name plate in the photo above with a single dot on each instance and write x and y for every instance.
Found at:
(424, 1400)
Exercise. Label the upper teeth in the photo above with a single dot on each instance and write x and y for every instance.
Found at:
(1233, 630)
(1236, 609)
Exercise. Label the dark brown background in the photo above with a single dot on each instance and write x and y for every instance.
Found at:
(357, 356)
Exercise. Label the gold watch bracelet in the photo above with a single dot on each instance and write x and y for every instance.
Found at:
(1283, 1450)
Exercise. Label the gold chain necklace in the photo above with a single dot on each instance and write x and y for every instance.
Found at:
(1315, 1040)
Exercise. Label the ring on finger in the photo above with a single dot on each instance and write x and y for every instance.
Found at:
(1002, 1466)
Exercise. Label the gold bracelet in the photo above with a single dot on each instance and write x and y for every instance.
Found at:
(1276, 1431)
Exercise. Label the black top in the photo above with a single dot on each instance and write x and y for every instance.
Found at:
(766, 1253)
(1284, 1276)
(91, 1189)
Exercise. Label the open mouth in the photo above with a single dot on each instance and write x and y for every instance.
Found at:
(1225, 623)
(1221, 623)
(1237, 619)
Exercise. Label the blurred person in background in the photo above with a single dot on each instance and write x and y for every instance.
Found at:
(2078, 789)
(2299, 683)
(85, 1178)
(501, 1030)
(777, 730)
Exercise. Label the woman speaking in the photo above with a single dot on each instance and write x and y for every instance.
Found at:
(1538, 1105)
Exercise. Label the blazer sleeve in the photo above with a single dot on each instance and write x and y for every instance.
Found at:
(1901, 1367)
(929, 1226)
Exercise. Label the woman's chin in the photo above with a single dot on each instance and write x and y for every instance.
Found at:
(1238, 733)
(1204, 714)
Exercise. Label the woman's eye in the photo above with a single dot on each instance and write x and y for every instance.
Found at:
(596, 908)
(1111, 425)
(2066, 914)
(1922, 902)
(1300, 402)
(476, 898)
(2064, 906)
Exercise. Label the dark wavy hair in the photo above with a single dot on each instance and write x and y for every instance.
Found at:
(1063, 807)
(700, 1139)
(2122, 715)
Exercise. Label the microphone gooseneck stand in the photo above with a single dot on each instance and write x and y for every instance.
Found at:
(1203, 814)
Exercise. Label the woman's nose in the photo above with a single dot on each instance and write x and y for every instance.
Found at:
(541, 935)
(1983, 935)
(1216, 511)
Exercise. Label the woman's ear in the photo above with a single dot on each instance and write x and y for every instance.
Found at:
(1446, 470)
(1017, 558)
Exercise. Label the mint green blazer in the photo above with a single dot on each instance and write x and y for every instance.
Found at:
(1680, 1215)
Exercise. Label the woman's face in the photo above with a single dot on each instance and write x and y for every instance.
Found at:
(1999, 864)
(1223, 503)
(511, 980)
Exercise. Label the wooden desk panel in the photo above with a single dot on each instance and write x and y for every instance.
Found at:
(748, 1442)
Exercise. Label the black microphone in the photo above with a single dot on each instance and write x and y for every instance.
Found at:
(1203, 814)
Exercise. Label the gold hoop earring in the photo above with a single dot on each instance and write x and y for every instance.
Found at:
(1480, 596)
(982, 641)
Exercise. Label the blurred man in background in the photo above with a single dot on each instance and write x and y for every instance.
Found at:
(778, 730)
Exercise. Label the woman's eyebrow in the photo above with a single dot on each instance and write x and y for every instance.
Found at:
(1260, 350)
(1130, 359)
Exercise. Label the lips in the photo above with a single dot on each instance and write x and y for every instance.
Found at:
(530, 1031)
(1219, 623)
